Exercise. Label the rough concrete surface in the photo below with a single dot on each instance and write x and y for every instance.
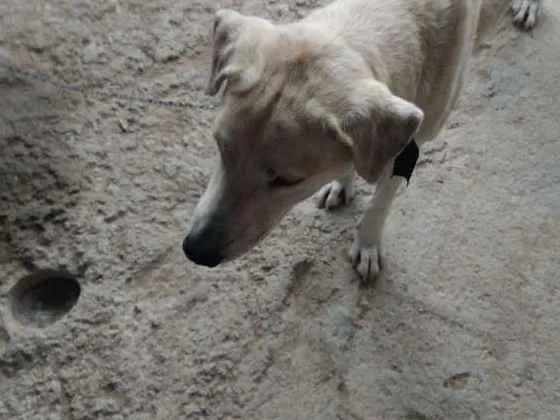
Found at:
(464, 324)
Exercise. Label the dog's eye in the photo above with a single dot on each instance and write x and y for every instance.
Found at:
(276, 181)
(283, 182)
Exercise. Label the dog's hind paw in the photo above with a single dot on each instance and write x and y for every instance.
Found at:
(366, 260)
(335, 194)
(525, 13)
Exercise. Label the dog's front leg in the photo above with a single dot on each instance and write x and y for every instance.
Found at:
(337, 193)
(365, 252)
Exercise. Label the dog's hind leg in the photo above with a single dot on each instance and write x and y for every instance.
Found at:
(526, 12)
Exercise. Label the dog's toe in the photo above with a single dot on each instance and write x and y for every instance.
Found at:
(525, 13)
(335, 194)
(366, 260)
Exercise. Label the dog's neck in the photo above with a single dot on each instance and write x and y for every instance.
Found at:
(391, 47)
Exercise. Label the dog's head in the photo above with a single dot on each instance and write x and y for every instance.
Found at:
(297, 111)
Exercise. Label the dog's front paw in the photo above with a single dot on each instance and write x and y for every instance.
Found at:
(335, 194)
(366, 260)
(525, 13)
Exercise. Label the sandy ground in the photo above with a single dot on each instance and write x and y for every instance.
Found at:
(465, 323)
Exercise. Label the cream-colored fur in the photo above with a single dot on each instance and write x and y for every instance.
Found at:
(308, 103)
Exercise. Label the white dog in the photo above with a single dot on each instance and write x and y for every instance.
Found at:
(358, 84)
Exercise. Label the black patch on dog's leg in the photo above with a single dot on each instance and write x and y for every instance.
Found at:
(405, 162)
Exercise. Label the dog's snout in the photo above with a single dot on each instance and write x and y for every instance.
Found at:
(200, 251)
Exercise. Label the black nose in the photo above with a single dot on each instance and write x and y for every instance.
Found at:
(200, 253)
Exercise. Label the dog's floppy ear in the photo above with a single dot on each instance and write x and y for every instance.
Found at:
(378, 126)
(236, 57)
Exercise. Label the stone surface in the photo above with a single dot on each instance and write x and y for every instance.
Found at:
(465, 323)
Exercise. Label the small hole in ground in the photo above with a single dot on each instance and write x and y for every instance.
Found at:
(43, 297)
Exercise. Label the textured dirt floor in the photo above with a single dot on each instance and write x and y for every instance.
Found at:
(465, 323)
